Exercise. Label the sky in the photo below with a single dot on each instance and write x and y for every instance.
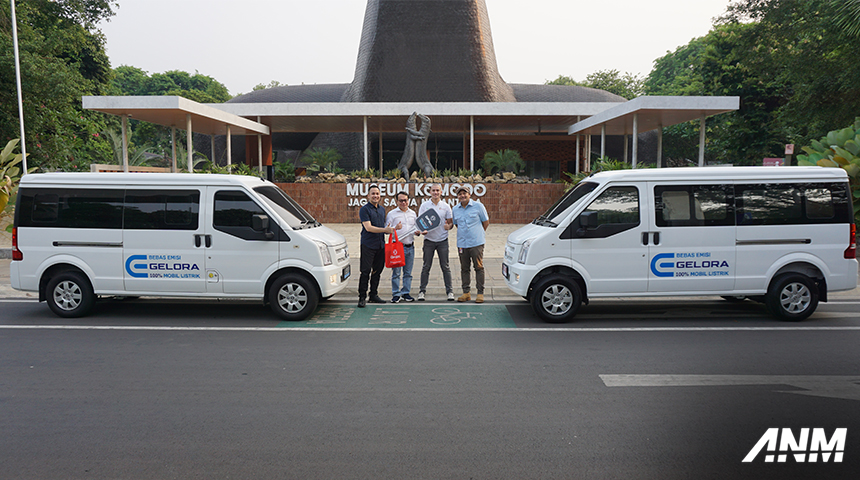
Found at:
(242, 43)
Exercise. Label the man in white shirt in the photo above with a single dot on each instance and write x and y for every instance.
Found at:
(404, 216)
(436, 240)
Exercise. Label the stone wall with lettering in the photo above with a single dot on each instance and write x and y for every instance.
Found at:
(505, 202)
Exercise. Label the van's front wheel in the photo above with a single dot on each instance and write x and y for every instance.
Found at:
(556, 299)
(792, 297)
(292, 297)
(70, 295)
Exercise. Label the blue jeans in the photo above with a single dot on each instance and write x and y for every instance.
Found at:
(409, 256)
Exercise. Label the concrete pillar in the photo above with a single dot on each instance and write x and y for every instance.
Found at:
(173, 148)
(635, 137)
(125, 143)
(603, 140)
(364, 121)
(702, 141)
(660, 146)
(229, 150)
(189, 142)
(576, 170)
(472, 142)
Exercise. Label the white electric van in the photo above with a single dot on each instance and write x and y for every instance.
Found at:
(78, 236)
(781, 235)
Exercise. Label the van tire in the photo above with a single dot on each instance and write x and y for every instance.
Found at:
(792, 297)
(292, 297)
(556, 299)
(69, 294)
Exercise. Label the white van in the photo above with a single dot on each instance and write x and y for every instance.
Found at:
(78, 236)
(781, 235)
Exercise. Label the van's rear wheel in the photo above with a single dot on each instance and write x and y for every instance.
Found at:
(70, 295)
(556, 299)
(792, 297)
(292, 297)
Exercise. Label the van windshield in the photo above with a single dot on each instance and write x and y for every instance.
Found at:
(553, 215)
(287, 208)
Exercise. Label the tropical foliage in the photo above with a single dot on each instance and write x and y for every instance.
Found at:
(506, 160)
(791, 63)
(838, 149)
(321, 160)
(62, 58)
(10, 172)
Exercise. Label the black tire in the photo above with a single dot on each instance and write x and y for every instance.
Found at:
(556, 299)
(792, 297)
(70, 295)
(293, 297)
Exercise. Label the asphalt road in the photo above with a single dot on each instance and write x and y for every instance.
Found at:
(156, 389)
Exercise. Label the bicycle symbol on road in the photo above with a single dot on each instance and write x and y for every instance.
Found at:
(451, 315)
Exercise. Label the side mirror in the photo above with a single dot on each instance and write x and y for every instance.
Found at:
(587, 221)
(260, 223)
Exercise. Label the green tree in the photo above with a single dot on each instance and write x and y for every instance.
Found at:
(810, 50)
(200, 88)
(62, 58)
(626, 85)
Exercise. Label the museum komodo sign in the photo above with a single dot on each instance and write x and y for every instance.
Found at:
(356, 193)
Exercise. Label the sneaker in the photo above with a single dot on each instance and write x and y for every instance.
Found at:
(376, 299)
(479, 298)
(361, 302)
(450, 296)
(395, 299)
(407, 298)
(420, 296)
(464, 297)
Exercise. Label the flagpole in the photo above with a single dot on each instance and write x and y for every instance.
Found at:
(18, 80)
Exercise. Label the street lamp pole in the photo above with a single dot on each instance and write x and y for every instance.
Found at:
(18, 80)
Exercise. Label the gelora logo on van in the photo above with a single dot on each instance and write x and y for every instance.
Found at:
(161, 266)
(698, 264)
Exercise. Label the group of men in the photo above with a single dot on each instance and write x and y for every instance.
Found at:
(470, 218)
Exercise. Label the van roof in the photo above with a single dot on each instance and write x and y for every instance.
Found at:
(722, 173)
(122, 178)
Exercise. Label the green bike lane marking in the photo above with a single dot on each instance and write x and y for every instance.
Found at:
(407, 316)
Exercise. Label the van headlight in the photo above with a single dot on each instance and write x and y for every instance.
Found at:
(324, 253)
(524, 253)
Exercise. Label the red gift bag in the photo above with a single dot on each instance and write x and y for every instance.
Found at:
(394, 256)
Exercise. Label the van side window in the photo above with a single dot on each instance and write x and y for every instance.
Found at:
(616, 205)
(693, 205)
(770, 204)
(160, 210)
(819, 203)
(71, 208)
(617, 210)
(233, 212)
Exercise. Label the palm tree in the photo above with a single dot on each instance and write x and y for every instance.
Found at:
(848, 15)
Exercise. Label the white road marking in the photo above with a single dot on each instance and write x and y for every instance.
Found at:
(846, 387)
(407, 329)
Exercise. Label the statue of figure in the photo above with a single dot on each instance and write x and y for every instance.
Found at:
(416, 146)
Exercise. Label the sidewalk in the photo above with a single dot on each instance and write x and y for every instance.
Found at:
(494, 252)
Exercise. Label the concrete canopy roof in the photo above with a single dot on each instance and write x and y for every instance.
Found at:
(654, 112)
(171, 111)
(531, 117)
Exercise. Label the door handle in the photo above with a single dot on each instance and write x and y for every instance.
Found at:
(653, 236)
(200, 239)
